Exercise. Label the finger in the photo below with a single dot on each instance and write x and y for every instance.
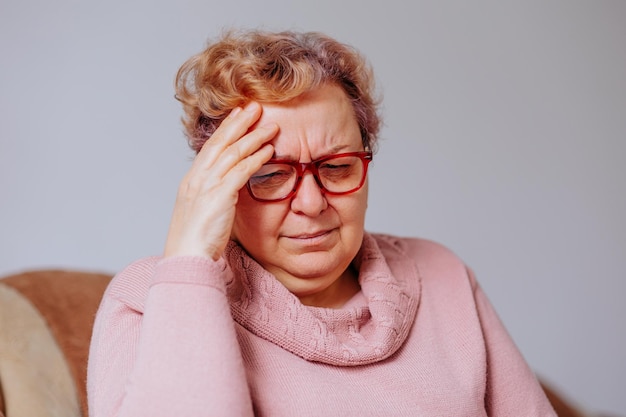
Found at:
(208, 171)
(237, 177)
(238, 164)
(236, 124)
(243, 148)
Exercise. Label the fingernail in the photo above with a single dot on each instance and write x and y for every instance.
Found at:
(251, 107)
(234, 111)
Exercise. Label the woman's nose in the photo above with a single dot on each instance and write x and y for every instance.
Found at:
(309, 198)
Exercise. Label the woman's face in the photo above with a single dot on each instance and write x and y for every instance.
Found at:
(309, 240)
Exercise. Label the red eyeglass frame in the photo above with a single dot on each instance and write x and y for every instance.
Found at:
(301, 167)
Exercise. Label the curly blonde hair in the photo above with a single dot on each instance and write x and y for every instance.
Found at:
(271, 67)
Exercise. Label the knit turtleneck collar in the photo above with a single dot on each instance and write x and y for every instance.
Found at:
(348, 336)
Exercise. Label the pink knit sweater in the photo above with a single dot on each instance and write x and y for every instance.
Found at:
(190, 337)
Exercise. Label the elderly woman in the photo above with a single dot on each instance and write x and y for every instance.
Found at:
(270, 299)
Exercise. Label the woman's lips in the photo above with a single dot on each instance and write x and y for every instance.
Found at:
(320, 239)
(311, 235)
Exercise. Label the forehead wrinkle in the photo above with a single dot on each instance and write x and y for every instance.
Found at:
(340, 148)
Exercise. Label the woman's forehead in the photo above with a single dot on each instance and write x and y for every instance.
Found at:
(321, 123)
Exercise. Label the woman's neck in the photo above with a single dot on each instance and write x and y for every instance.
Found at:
(337, 294)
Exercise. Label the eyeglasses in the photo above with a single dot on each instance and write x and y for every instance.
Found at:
(338, 174)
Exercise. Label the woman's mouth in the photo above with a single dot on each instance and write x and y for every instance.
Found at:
(318, 240)
(312, 235)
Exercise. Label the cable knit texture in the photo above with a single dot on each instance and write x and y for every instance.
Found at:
(358, 336)
(190, 336)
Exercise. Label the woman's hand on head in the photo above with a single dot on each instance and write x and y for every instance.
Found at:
(205, 205)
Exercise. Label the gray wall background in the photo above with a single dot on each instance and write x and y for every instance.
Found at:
(504, 140)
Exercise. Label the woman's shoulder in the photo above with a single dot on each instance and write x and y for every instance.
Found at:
(432, 258)
(414, 246)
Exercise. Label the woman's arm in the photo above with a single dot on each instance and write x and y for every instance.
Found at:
(175, 355)
(512, 387)
(169, 348)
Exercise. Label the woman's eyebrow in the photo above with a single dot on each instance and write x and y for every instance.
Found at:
(284, 157)
(338, 149)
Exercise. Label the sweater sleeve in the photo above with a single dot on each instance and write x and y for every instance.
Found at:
(172, 352)
(512, 387)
